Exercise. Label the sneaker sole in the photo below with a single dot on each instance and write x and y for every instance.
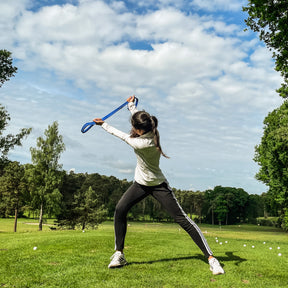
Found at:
(117, 266)
(219, 273)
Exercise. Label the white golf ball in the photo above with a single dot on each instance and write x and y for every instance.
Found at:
(279, 254)
(264, 242)
(35, 248)
(278, 248)
(270, 248)
(253, 246)
(226, 242)
(220, 243)
(244, 245)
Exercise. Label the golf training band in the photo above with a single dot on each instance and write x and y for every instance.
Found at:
(88, 125)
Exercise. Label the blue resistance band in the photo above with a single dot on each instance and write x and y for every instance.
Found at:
(89, 125)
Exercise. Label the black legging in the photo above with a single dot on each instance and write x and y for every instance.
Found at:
(166, 197)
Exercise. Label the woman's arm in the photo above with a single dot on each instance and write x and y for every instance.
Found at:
(112, 130)
(131, 105)
(132, 108)
(136, 143)
(122, 135)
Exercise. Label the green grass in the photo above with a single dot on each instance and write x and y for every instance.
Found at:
(159, 255)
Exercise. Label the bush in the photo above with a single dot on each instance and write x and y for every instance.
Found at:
(269, 221)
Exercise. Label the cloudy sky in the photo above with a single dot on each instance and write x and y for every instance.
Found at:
(190, 63)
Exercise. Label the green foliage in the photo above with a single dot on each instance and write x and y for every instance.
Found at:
(44, 176)
(256, 207)
(81, 191)
(88, 210)
(221, 208)
(226, 204)
(191, 202)
(88, 199)
(13, 191)
(269, 221)
(49, 149)
(272, 157)
(9, 141)
(270, 18)
(284, 219)
(7, 70)
(71, 184)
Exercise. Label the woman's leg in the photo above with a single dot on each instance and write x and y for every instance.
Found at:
(168, 200)
(132, 196)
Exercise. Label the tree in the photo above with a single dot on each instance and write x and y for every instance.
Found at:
(72, 182)
(221, 208)
(88, 209)
(272, 157)
(9, 141)
(270, 18)
(256, 207)
(210, 204)
(13, 188)
(227, 203)
(238, 210)
(7, 70)
(199, 198)
(44, 175)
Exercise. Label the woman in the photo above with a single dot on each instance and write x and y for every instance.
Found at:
(149, 180)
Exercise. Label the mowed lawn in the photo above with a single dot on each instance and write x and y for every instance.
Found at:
(159, 255)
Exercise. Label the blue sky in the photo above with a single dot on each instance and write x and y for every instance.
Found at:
(190, 63)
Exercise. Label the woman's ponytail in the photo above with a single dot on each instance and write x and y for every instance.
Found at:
(154, 121)
(142, 120)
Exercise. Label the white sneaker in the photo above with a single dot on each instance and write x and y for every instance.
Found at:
(117, 260)
(215, 266)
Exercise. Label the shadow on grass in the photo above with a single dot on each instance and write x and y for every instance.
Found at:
(232, 257)
(200, 257)
(229, 257)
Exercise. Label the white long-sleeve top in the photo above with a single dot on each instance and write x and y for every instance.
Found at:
(147, 171)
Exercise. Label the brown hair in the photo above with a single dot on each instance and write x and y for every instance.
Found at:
(143, 121)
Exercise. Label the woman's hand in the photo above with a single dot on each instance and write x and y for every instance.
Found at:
(98, 121)
(131, 99)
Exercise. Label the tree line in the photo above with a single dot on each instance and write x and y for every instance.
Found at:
(82, 200)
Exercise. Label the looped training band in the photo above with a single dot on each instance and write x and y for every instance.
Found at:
(89, 125)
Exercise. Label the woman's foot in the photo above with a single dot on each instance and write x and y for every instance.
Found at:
(215, 266)
(117, 260)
